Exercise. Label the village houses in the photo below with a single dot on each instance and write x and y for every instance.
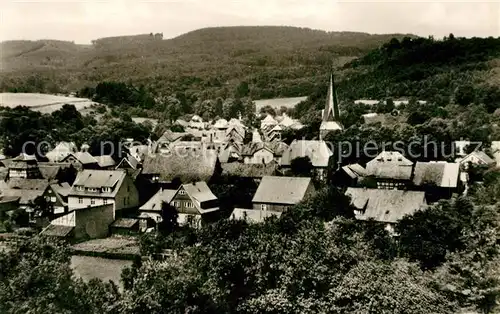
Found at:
(102, 187)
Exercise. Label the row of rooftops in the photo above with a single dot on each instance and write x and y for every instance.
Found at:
(390, 165)
(197, 122)
(271, 190)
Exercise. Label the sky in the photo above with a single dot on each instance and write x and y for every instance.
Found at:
(84, 20)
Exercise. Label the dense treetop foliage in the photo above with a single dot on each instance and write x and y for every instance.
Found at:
(426, 68)
(21, 125)
(313, 259)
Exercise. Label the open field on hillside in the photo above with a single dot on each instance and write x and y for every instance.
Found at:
(42, 102)
(89, 267)
(277, 103)
(115, 244)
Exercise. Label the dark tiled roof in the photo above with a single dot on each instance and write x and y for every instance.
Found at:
(124, 223)
(391, 172)
(155, 203)
(98, 179)
(62, 188)
(169, 136)
(24, 157)
(62, 150)
(9, 199)
(385, 205)
(317, 151)
(355, 170)
(249, 170)
(28, 184)
(199, 191)
(389, 157)
(84, 158)
(105, 161)
(3, 173)
(441, 174)
(281, 190)
(481, 156)
(189, 167)
(277, 148)
(390, 165)
(49, 172)
(57, 231)
(128, 162)
(25, 196)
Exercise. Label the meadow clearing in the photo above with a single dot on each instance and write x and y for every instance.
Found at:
(44, 103)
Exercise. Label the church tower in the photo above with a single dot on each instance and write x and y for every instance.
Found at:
(331, 117)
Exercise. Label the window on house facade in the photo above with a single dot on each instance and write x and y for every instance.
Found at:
(80, 200)
(80, 188)
(105, 201)
(106, 190)
(92, 189)
(53, 199)
(92, 201)
(182, 192)
(188, 204)
(263, 207)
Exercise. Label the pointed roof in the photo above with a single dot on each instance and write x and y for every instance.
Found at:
(330, 126)
(286, 121)
(221, 124)
(331, 112)
(24, 157)
(269, 120)
(385, 205)
(155, 203)
(277, 127)
(282, 190)
(318, 152)
(235, 122)
(256, 138)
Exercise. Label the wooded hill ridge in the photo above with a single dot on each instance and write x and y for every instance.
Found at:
(278, 61)
(269, 61)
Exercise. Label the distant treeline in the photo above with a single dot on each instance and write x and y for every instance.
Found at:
(126, 40)
(425, 68)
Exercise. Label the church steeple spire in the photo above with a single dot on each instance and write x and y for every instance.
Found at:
(331, 116)
(331, 112)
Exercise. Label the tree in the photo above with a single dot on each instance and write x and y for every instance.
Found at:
(383, 288)
(301, 167)
(35, 277)
(427, 235)
(242, 90)
(177, 128)
(326, 204)
(464, 95)
(268, 110)
(42, 208)
(129, 274)
(169, 218)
